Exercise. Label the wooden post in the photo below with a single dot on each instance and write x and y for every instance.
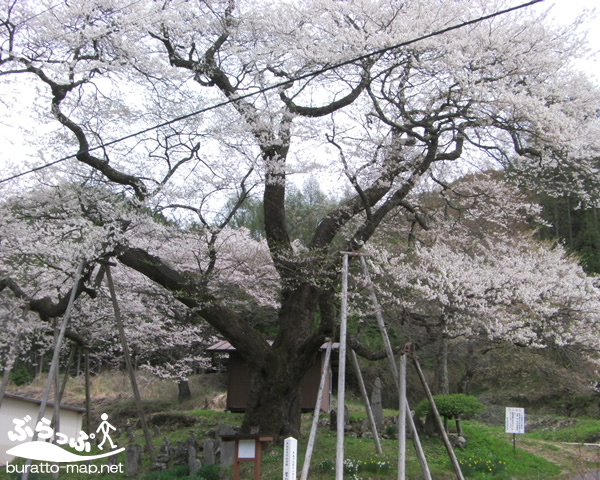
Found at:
(402, 421)
(290, 453)
(55, 357)
(417, 444)
(380, 322)
(396, 375)
(88, 399)
(439, 421)
(315, 423)
(339, 458)
(130, 371)
(363, 392)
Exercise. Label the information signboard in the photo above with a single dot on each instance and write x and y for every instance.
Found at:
(515, 420)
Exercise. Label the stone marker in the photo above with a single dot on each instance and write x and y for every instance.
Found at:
(133, 459)
(377, 404)
(164, 456)
(227, 449)
(209, 451)
(193, 463)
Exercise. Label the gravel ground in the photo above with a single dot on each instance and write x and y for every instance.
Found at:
(589, 476)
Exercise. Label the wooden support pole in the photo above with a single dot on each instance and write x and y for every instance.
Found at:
(339, 458)
(88, 399)
(130, 371)
(417, 444)
(438, 421)
(56, 416)
(396, 374)
(315, 423)
(402, 412)
(55, 357)
(363, 392)
(380, 322)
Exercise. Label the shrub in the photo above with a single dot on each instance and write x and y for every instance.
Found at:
(326, 466)
(453, 406)
(21, 375)
(375, 466)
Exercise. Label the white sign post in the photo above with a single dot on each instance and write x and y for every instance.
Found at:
(290, 453)
(515, 422)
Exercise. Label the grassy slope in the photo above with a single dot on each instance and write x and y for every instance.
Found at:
(489, 452)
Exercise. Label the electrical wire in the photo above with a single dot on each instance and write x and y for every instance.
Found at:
(278, 85)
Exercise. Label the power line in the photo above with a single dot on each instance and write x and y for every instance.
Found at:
(28, 19)
(279, 85)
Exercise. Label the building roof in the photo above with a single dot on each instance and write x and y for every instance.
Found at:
(35, 400)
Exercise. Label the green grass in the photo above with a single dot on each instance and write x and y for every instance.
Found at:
(489, 453)
(582, 430)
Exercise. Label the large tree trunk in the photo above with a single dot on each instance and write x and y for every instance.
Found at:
(443, 383)
(183, 390)
(273, 406)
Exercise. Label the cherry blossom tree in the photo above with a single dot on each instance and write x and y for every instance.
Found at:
(176, 106)
(478, 271)
(41, 243)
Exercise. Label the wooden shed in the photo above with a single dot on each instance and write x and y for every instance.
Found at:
(238, 380)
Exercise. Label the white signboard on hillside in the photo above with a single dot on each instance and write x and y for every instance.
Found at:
(515, 420)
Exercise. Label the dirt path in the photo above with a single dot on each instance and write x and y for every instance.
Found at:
(589, 476)
(583, 459)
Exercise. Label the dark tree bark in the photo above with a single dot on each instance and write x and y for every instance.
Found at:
(183, 390)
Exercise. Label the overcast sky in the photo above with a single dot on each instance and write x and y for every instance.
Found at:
(567, 11)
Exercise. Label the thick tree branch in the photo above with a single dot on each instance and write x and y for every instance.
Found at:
(46, 307)
(59, 93)
(331, 107)
(249, 343)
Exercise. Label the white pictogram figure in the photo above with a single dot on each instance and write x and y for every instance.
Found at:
(104, 427)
